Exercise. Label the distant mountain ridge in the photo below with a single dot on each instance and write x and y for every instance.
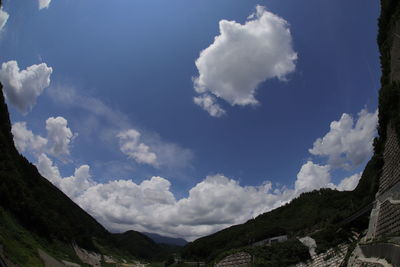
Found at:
(159, 239)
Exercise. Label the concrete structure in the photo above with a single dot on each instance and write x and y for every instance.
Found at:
(387, 251)
(385, 216)
(269, 241)
(391, 168)
(241, 259)
(331, 258)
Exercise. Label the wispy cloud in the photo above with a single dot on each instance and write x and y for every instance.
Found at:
(3, 18)
(115, 128)
(44, 4)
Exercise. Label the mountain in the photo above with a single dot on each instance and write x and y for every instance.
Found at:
(159, 239)
(36, 214)
(312, 211)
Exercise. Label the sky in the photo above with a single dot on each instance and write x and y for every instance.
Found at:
(184, 117)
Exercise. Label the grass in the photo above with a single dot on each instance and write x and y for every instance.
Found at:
(21, 246)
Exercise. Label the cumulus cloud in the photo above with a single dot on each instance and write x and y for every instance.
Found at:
(57, 142)
(130, 145)
(25, 140)
(59, 136)
(349, 183)
(209, 104)
(312, 176)
(348, 144)
(22, 87)
(3, 18)
(213, 204)
(243, 56)
(73, 186)
(44, 4)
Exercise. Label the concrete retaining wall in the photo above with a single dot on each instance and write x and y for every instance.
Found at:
(389, 252)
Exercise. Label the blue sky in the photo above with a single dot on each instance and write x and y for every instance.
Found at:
(121, 92)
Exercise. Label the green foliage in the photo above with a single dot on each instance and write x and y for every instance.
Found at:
(170, 261)
(19, 245)
(280, 254)
(309, 212)
(136, 244)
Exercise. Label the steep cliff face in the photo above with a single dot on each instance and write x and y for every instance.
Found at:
(385, 217)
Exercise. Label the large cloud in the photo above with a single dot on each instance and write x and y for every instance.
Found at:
(57, 143)
(130, 145)
(3, 18)
(44, 4)
(347, 144)
(213, 204)
(22, 87)
(243, 56)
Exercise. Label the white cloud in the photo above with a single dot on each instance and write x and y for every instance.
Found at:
(25, 140)
(312, 176)
(104, 124)
(347, 144)
(73, 186)
(22, 87)
(130, 145)
(44, 4)
(57, 142)
(349, 183)
(3, 18)
(243, 56)
(59, 136)
(209, 104)
(213, 204)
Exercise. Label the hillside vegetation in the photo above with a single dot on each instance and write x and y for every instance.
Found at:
(318, 210)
